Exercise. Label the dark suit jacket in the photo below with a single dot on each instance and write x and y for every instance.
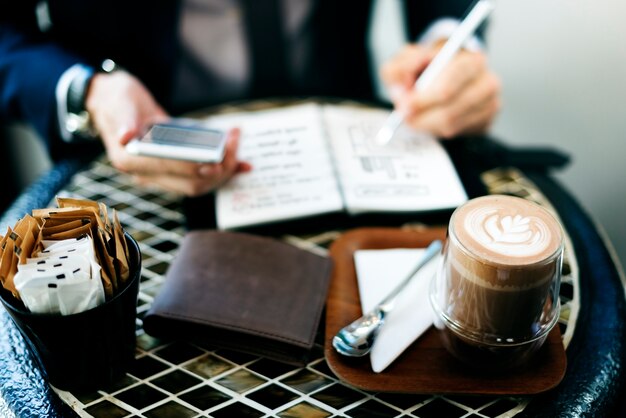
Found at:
(141, 36)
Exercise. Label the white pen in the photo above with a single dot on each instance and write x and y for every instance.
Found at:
(468, 26)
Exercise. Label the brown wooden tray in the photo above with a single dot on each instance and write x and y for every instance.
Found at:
(426, 366)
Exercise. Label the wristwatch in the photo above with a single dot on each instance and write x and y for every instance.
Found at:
(78, 122)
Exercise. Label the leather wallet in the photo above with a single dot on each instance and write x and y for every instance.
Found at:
(242, 292)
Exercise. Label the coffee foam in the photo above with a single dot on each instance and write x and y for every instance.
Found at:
(506, 230)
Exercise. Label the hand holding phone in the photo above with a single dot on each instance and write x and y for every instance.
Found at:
(181, 139)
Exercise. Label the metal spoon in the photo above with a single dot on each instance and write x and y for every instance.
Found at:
(357, 339)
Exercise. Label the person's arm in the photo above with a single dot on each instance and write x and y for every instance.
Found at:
(121, 107)
(30, 67)
(32, 70)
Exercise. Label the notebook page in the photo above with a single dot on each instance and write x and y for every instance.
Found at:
(412, 173)
(292, 174)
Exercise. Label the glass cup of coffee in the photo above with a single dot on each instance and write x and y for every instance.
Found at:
(496, 293)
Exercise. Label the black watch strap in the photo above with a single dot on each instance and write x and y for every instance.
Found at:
(78, 121)
(77, 91)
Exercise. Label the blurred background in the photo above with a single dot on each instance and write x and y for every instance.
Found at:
(563, 68)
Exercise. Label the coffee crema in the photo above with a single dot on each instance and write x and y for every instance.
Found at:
(507, 230)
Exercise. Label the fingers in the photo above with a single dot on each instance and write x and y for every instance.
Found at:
(480, 121)
(214, 177)
(471, 111)
(463, 98)
(149, 166)
(178, 185)
(463, 70)
(127, 132)
(122, 108)
(400, 73)
(191, 179)
(230, 162)
(475, 108)
(152, 166)
(141, 165)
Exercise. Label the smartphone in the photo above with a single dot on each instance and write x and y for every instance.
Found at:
(181, 139)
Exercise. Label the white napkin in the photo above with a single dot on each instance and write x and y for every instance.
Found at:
(378, 273)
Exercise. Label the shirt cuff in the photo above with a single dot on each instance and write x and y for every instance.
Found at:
(62, 89)
(443, 29)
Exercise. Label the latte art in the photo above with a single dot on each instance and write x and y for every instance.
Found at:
(511, 235)
(505, 230)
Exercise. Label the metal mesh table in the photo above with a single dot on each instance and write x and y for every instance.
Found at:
(179, 379)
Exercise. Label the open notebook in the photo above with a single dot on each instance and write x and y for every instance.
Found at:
(315, 159)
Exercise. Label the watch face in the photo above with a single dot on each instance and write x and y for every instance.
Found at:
(80, 127)
(76, 123)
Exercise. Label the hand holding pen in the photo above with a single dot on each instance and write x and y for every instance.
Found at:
(444, 90)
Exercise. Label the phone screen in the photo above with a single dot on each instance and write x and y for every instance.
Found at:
(182, 140)
(191, 136)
